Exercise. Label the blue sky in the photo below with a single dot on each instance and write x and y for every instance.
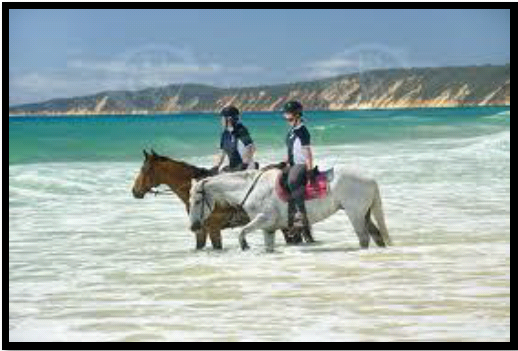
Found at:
(65, 53)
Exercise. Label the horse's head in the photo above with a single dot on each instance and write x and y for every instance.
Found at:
(147, 177)
(201, 204)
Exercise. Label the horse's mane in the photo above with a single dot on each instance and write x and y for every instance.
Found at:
(198, 172)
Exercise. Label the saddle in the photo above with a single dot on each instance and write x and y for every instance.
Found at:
(316, 190)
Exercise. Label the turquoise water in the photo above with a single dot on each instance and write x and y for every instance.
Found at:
(121, 138)
(88, 262)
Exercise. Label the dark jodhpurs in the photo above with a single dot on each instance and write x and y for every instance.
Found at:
(296, 185)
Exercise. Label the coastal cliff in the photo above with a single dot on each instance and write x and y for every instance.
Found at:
(393, 88)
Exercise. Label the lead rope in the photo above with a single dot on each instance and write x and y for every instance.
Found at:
(161, 192)
(167, 191)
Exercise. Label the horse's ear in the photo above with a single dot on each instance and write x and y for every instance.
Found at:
(145, 154)
(154, 153)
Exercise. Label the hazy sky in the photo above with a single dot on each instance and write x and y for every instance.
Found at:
(65, 53)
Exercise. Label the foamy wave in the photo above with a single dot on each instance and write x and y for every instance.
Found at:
(504, 115)
(489, 145)
(70, 179)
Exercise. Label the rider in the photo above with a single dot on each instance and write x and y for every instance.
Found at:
(235, 143)
(300, 164)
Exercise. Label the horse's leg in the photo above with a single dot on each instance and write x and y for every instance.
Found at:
(359, 225)
(215, 238)
(361, 230)
(201, 238)
(377, 212)
(269, 239)
(262, 220)
(373, 230)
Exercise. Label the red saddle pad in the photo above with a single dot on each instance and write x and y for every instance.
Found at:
(316, 190)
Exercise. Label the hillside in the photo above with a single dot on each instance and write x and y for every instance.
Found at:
(393, 88)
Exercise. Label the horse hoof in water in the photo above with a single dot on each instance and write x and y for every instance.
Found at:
(244, 245)
(307, 236)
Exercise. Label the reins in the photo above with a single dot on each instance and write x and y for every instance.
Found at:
(251, 188)
(205, 201)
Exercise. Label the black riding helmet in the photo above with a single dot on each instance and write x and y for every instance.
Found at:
(294, 107)
(230, 112)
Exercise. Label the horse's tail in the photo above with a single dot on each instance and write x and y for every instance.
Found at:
(377, 212)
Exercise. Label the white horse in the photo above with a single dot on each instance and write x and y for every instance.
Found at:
(255, 191)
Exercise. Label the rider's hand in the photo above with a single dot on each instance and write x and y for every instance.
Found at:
(312, 176)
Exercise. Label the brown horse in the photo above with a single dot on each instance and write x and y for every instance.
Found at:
(178, 175)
